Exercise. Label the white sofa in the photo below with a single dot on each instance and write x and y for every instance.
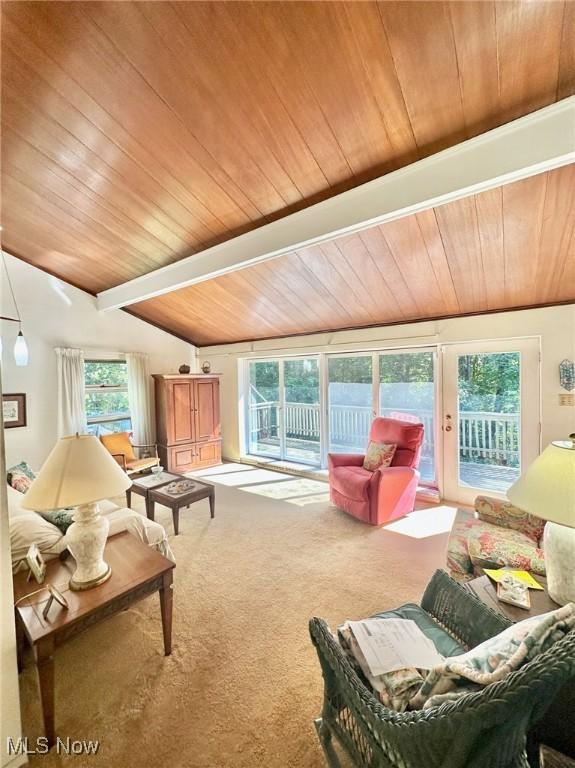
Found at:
(27, 527)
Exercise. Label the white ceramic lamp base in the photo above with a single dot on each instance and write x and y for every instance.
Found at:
(86, 539)
(559, 549)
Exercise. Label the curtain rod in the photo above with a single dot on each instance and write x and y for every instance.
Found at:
(322, 347)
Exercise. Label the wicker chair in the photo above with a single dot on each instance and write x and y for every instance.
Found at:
(483, 729)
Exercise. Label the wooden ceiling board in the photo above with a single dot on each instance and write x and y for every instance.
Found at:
(427, 68)
(489, 212)
(509, 247)
(555, 276)
(373, 288)
(405, 236)
(523, 210)
(460, 235)
(527, 33)
(429, 229)
(137, 133)
(566, 80)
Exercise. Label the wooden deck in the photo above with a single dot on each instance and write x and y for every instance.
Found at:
(487, 477)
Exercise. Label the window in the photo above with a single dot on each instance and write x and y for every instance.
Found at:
(107, 405)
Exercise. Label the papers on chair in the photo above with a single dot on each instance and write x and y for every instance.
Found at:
(391, 644)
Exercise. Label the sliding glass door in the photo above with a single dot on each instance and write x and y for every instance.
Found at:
(264, 408)
(350, 402)
(283, 420)
(301, 409)
(407, 392)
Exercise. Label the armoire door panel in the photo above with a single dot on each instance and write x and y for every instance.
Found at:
(184, 426)
(208, 453)
(181, 458)
(207, 409)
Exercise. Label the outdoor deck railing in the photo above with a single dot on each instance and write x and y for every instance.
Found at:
(492, 436)
(482, 435)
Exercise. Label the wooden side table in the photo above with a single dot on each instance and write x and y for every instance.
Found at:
(557, 728)
(486, 591)
(137, 571)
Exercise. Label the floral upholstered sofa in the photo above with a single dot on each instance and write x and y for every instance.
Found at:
(498, 534)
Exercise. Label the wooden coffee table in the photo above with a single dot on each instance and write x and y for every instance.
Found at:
(175, 501)
(144, 484)
(137, 571)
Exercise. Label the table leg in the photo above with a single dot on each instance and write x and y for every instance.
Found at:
(129, 498)
(212, 504)
(150, 508)
(176, 519)
(166, 596)
(44, 653)
(19, 644)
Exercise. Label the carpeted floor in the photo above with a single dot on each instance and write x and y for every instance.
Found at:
(243, 686)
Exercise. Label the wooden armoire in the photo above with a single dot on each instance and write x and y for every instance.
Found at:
(188, 420)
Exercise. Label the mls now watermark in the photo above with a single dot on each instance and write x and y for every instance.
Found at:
(40, 746)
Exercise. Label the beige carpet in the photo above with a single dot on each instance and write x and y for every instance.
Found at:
(243, 686)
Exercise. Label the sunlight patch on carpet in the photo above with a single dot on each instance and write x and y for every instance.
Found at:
(252, 476)
(288, 488)
(223, 469)
(318, 498)
(425, 522)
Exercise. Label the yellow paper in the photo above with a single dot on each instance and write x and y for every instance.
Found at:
(524, 576)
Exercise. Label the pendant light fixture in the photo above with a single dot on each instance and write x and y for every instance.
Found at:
(21, 354)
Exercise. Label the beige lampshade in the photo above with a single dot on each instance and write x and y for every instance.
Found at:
(547, 488)
(79, 470)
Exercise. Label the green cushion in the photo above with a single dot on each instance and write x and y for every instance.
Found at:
(61, 518)
(442, 641)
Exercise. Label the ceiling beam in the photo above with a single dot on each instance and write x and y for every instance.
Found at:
(530, 145)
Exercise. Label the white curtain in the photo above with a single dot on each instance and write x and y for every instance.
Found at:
(71, 392)
(140, 399)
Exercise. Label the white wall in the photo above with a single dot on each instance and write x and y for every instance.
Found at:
(554, 325)
(49, 321)
(10, 726)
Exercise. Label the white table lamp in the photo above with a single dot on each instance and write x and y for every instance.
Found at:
(78, 473)
(547, 490)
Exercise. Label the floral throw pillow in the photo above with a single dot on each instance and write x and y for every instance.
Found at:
(378, 455)
(20, 477)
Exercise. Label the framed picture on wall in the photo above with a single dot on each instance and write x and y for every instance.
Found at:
(14, 410)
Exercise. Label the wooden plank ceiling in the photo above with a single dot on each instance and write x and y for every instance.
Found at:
(135, 134)
(513, 246)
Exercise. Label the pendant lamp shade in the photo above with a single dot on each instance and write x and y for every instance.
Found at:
(21, 354)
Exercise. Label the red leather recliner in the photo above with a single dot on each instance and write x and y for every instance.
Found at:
(380, 496)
